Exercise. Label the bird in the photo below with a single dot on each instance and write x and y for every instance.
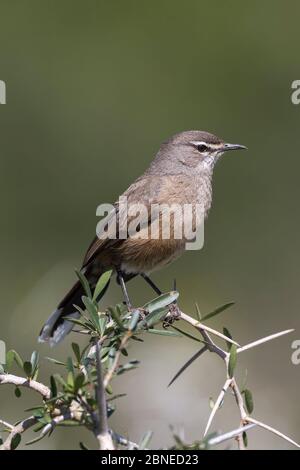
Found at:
(181, 174)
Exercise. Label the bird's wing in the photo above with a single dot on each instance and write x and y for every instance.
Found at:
(145, 190)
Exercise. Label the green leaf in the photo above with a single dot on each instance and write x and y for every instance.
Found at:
(76, 351)
(102, 324)
(27, 366)
(232, 360)
(227, 333)
(163, 332)
(134, 320)
(161, 302)
(92, 310)
(37, 428)
(60, 380)
(248, 401)
(10, 356)
(217, 311)
(101, 284)
(70, 369)
(55, 361)
(34, 361)
(155, 317)
(116, 317)
(85, 283)
(83, 446)
(199, 316)
(245, 439)
(79, 381)
(36, 408)
(188, 335)
(18, 392)
(144, 442)
(53, 387)
(116, 397)
(15, 441)
(18, 359)
(84, 325)
(129, 366)
(1, 369)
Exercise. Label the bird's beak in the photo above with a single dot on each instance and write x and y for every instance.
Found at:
(228, 147)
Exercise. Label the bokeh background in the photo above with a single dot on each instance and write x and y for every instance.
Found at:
(93, 87)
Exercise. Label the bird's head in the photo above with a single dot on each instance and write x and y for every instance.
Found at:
(198, 148)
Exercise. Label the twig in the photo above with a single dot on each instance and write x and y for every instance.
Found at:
(7, 425)
(274, 431)
(201, 326)
(217, 404)
(18, 429)
(102, 432)
(229, 435)
(22, 382)
(263, 340)
(245, 419)
(114, 366)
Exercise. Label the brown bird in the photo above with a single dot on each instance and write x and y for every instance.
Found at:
(180, 175)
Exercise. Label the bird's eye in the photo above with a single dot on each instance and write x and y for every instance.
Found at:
(202, 148)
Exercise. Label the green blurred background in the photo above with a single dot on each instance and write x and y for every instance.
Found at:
(93, 87)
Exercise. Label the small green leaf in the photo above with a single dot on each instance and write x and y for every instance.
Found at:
(116, 317)
(129, 366)
(217, 311)
(161, 302)
(18, 392)
(163, 332)
(53, 387)
(227, 333)
(248, 401)
(155, 317)
(34, 361)
(70, 369)
(245, 439)
(84, 325)
(199, 316)
(27, 366)
(101, 284)
(83, 446)
(60, 380)
(15, 441)
(76, 351)
(10, 356)
(37, 428)
(232, 360)
(102, 324)
(55, 361)
(188, 335)
(85, 283)
(79, 381)
(93, 311)
(134, 320)
(115, 397)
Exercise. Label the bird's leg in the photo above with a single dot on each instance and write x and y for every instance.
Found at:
(174, 313)
(151, 284)
(124, 290)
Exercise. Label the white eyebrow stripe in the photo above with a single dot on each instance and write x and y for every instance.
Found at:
(211, 146)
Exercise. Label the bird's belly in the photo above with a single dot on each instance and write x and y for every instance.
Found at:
(145, 256)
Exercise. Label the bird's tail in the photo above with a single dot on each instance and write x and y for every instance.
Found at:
(57, 327)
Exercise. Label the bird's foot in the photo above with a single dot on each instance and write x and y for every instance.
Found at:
(173, 315)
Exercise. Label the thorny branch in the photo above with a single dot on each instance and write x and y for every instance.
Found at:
(79, 409)
(231, 383)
